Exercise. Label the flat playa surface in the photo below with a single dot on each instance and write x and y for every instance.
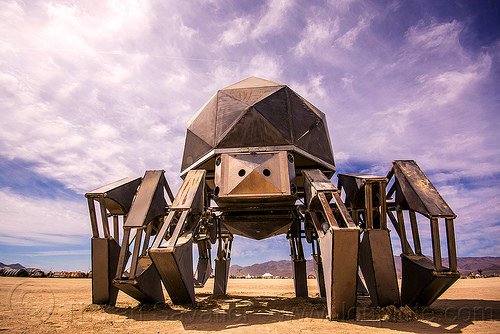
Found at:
(44, 305)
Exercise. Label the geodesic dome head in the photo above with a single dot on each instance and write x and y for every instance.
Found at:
(257, 114)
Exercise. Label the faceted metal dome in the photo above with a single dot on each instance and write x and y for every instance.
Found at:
(257, 113)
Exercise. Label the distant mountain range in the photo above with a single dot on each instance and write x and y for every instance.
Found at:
(489, 266)
(13, 266)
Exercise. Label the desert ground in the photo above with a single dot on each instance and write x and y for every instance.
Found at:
(45, 305)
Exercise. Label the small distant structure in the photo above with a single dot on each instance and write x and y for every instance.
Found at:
(60, 274)
(267, 275)
(311, 276)
(248, 276)
(77, 274)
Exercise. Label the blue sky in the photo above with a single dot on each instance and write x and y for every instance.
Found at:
(94, 91)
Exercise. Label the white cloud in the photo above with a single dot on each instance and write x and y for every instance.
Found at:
(348, 39)
(314, 88)
(269, 22)
(42, 222)
(436, 35)
(236, 33)
(273, 20)
(315, 35)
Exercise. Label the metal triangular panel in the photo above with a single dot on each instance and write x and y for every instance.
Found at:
(118, 195)
(355, 197)
(275, 109)
(311, 106)
(149, 202)
(252, 130)
(194, 149)
(203, 123)
(254, 181)
(303, 117)
(252, 82)
(229, 111)
(250, 96)
(317, 143)
(419, 192)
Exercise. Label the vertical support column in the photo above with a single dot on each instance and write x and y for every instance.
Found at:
(135, 255)
(452, 248)
(222, 263)
(318, 268)
(93, 218)
(145, 245)
(436, 245)
(298, 262)
(104, 217)
(368, 206)
(116, 230)
(402, 232)
(383, 205)
(122, 260)
(415, 233)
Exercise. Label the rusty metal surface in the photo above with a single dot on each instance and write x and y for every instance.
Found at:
(419, 193)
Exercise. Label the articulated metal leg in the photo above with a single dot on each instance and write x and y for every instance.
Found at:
(105, 254)
(318, 268)
(338, 244)
(298, 261)
(340, 269)
(142, 281)
(174, 259)
(204, 267)
(377, 264)
(223, 261)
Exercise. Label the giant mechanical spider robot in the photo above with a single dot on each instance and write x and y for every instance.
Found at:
(257, 163)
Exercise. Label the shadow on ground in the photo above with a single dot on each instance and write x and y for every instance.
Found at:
(214, 313)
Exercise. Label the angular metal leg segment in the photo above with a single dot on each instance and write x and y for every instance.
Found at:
(377, 264)
(221, 276)
(421, 284)
(176, 270)
(146, 286)
(204, 266)
(223, 261)
(300, 278)
(339, 254)
(105, 253)
(298, 261)
(320, 278)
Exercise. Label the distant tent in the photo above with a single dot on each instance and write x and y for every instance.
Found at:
(267, 275)
(9, 272)
(35, 272)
